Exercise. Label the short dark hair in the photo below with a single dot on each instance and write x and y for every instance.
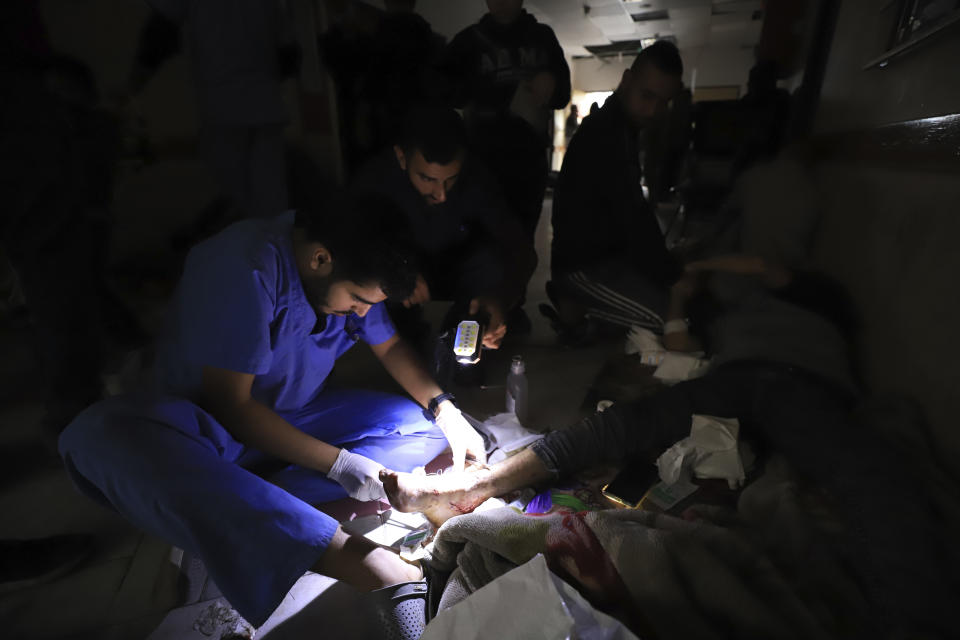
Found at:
(663, 54)
(368, 239)
(435, 131)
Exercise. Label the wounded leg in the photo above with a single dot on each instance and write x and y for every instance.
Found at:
(637, 431)
(441, 497)
(592, 441)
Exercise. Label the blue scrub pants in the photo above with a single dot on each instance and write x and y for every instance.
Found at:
(172, 470)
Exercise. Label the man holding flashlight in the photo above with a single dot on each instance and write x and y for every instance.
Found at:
(470, 246)
(248, 435)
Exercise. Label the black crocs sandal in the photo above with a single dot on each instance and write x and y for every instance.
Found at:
(402, 611)
(399, 612)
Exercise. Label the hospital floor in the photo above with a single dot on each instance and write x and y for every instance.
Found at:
(133, 586)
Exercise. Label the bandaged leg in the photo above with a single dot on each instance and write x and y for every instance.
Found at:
(441, 497)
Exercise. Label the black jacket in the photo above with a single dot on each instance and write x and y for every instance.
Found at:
(599, 213)
(473, 217)
(486, 62)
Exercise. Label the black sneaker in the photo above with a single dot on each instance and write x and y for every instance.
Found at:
(583, 334)
(552, 315)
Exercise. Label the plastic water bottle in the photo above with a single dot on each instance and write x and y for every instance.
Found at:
(517, 389)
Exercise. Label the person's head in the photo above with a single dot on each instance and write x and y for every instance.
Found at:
(574, 110)
(352, 253)
(651, 82)
(431, 150)
(505, 11)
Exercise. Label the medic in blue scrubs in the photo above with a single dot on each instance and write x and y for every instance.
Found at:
(246, 436)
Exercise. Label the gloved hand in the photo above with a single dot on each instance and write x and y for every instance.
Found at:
(359, 475)
(462, 437)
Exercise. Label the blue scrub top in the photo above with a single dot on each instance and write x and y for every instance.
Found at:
(240, 306)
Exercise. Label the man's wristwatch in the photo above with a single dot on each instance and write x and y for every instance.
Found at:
(430, 413)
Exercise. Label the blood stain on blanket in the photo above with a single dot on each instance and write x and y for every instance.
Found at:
(573, 550)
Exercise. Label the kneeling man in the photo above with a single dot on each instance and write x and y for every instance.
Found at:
(246, 435)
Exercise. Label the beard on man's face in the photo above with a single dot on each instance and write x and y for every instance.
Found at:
(317, 289)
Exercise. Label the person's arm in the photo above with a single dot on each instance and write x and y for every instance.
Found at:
(404, 365)
(496, 310)
(420, 295)
(676, 336)
(676, 332)
(226, 396)
(771, 274)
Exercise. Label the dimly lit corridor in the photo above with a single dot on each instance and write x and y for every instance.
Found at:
(715, 387)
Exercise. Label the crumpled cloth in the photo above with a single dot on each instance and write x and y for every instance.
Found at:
(672, 366)
(710, 451)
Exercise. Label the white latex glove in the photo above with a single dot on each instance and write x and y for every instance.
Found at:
(359, 475)
(462, 437)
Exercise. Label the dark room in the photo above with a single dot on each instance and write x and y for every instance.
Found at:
(656, 297)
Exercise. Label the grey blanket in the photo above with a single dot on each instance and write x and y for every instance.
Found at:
(760, 572)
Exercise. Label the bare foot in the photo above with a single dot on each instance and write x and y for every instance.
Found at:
(438, 497)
